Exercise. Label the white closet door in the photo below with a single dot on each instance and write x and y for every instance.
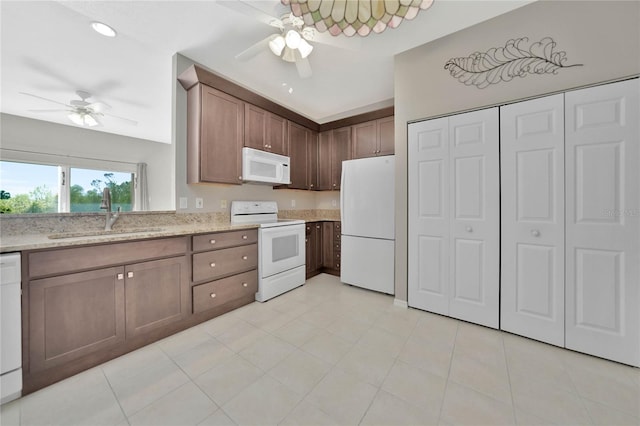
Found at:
(532, 239)
(475, 217)
(603, 221)
(428, 239)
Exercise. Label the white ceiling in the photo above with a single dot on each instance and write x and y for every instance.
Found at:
(50, 50)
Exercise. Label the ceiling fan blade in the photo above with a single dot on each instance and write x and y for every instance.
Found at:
(126, 120)
(45, 99)
(99, 106)
(304, 67)
(255, 49)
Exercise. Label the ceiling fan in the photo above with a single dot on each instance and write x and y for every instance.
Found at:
(80, 111)
(291, 42)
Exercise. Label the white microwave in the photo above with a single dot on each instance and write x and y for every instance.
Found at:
(265, 167)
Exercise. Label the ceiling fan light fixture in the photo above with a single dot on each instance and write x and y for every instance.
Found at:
(90, 121)
(293, 39)
(276, 45)
(289, 55)
(103, 29)
(304, 48)
(82, 119)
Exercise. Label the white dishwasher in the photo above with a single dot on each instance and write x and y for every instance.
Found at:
(10, 325)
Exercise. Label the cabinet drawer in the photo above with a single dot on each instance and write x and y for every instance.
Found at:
(58, 261)
(214, 264)
(224, 239)
(217, 293)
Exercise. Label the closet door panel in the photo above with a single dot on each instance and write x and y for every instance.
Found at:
(428, 168)
(603, 221)
(532, 219)
(475, 219)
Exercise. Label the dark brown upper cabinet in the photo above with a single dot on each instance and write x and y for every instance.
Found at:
(215, 123)
(299, 139)
(373, 138)
(265, 131)
(334, 146)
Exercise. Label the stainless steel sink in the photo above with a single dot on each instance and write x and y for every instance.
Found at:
(99, 233)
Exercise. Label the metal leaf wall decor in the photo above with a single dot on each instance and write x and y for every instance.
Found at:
(515, 59)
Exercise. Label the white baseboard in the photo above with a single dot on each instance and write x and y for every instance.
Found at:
(400, 303)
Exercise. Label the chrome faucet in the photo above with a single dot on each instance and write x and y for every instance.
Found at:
(106, 204)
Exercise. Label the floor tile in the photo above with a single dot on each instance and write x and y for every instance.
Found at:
(388, 409)
(343, 396)
(464, 406)
(221, 324)
(83, 399)
(481, 343)
(225, 381)
(134, 362)
(430, 357)
(415, 386)
(203, 357)
(489, 379)
(297, 332)
(300, 371)
(10, 413)
(265, 353)
(265, 402)
(240, 335)
(307, 414)
(605, 415)
(367, 365)
(218, 418)
(136, 391)
(376, 339)
(328, 347)
(187, 405)
(349, 329)
(183, 341)
(436, 329)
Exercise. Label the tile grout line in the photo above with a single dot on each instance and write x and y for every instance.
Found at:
(446, 383)
(126, 418)
(506, 361)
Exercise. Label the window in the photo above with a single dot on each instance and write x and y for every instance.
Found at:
(46, 188)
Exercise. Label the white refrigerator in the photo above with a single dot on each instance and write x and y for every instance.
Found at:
(367, 210)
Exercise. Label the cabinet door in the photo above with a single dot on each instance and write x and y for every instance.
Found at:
(603, 221)
(532, 218)
(386, 136)
(365, 140)
(277, 134)
(475, 217)
(312, 239)
(328, 242)
(215, 143)
(74, 315)
(312, 161)
(324, 161)
(157, 294)
(255, 127)
(341, 150)
(298, 152)
(428, 233)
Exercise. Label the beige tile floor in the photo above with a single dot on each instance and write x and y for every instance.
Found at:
(329, 354)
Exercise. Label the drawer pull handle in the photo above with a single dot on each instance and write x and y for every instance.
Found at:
(212, 241)
(244, 257)
(245, 284)
(120, 277)
(244, 237)
(212, 264)
(212, 295)
(129, 274)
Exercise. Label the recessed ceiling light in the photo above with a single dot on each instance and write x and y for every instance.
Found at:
(103, 29)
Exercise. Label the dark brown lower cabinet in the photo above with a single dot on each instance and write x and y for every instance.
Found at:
(156, 294)
(313, 248)
(73, 315)
(323, 248)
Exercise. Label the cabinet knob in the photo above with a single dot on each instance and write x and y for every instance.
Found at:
(239, 177)
(129, 274)
(317, 226)
(212, 295)
(311, 185)
(245, 284)
(244, 257)
(120, 277)
(308, 228)
(212, 241)
(535, 233)
(306, 240)
(469, 229)
(212, 264)
(334, 185)
(337, 265)
(244, 237)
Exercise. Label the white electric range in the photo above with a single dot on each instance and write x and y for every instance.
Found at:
(281, 247)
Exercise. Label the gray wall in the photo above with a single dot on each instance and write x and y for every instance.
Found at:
(43, 137)
(604, 36)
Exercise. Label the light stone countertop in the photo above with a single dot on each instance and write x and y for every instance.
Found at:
(32, 232)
